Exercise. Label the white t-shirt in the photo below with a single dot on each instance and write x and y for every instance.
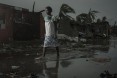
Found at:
(49, 25)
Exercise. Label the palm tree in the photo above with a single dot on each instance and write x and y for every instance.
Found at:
(82, 18)
(64, 10)
(98, 20)
(106, 26)
(87, 18)
(104, 19)
(63, 14)
(92, 15)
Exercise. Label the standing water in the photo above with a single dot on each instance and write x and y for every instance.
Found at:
(88, 62)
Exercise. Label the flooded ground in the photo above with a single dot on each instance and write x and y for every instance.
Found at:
(89, 61)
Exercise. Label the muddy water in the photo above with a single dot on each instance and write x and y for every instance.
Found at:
(88, 62)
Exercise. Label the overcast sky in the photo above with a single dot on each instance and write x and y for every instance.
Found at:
(105, 7)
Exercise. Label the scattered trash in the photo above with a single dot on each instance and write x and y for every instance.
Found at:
(15, 67)
(33, 75)
(14, 75)
(101, 60)
(107, 74)
(27, 54)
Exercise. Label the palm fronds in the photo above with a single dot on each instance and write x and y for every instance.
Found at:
(65, 9)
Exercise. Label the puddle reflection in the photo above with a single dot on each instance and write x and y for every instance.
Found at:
(97, 56)
(25, 67)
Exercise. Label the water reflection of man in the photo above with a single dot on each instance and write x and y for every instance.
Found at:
(51, 72)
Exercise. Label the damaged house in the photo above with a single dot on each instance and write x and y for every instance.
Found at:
(18, 23)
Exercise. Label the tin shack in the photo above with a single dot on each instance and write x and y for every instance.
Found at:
(18, 23)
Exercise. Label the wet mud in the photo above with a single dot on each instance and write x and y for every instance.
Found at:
(89, 60)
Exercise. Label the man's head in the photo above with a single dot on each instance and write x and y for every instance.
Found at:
(48, 10)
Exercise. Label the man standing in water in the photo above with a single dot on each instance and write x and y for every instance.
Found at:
(50, 31)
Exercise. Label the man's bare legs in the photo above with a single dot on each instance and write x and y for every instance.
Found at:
(44, 51)
(57, 49)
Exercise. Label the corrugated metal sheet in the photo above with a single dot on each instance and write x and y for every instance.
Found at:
(20, 24)
(6, 14)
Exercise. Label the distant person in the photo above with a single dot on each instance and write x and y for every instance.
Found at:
(50, 31)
